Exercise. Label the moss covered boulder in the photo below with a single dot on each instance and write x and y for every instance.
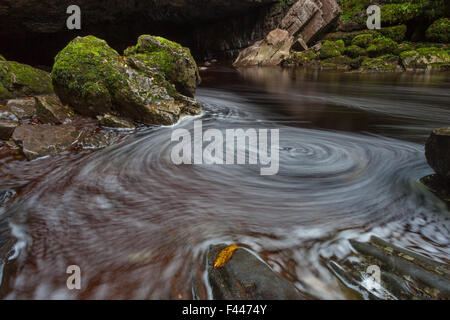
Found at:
(396, 33)
(382, 46)
(430, 58)
(20, 80)
(331, 49)
(439, 31)
(340, 63)
(363, 40)
(303, 58)
(94, 79)
(172, 61)
(354, 51)
(386, 63)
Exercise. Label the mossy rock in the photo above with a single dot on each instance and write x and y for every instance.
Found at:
(331, 49)
(354, 51)
(341, 63)
(363, 40)
(396, 33)
(94, 79)
(402, 47)
(400, 13)
(439, 31)
(2, 58)
(348, 37)
(21, 80)
(174, 62)
(386, 63)
(382, 46)
(303, 58)
(426, 59)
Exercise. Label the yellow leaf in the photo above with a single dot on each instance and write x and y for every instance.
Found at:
(224, 256)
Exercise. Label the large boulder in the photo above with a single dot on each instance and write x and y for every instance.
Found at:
(172, 61)
(437, 152)
(21, 80)
(268, 52)
(245, 277)
(94, 79)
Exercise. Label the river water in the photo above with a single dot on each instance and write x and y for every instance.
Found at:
(351, 153)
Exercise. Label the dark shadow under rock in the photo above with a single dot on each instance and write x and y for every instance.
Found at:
(245, 277)
(438, 186)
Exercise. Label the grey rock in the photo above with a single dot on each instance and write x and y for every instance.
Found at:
(23, 108)
(42, 140)
(111, 121)
(49, 109)
(245, 277)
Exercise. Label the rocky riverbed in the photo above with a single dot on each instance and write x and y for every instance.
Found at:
(87, 179)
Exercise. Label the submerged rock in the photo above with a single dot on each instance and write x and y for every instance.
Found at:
(41, 140)
(94, 79)
(245, 277)
(21, 80)
(386, 63)
(437, 152)
(49, 109)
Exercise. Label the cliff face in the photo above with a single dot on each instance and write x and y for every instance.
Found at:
(41, 25)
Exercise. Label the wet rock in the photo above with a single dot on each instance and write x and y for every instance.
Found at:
(268, 52)
(7, 128)
(430, 277)
(245, 277)
(94, 79)
(49, 109)
(428, 58)
(437, 185)
(93, 141)
(21, 80)
(23, 108)
(41, 140)
(111, 121)
(437, 152)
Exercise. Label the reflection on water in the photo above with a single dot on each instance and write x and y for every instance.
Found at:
(351, 152)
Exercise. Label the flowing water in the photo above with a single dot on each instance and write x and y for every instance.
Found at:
(351, 153)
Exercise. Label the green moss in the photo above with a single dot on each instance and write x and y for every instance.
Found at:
(439, 31)
(354, 51)
(385, 63)
(363, 40)
(396, 33)
(2, 58)
(172, 61)
(382, 46)
(341, 62)
(21, 80)
(404, 46)
(303, 58)
(331, 49)
(351, 8)
(430, 58)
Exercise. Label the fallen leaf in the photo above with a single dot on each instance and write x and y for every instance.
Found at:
(224, 256)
